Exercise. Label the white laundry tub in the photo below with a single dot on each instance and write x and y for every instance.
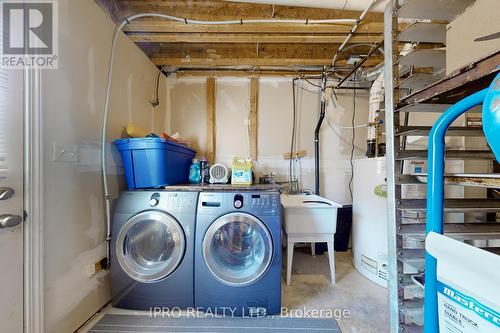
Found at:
(311, 219)
(309, 214)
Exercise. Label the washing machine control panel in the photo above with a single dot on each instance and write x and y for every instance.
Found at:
(172, 200)
(264, 201)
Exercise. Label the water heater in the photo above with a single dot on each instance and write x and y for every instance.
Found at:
(369, 225)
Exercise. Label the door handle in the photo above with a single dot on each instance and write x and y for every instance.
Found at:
(8, 220)
(6, 193)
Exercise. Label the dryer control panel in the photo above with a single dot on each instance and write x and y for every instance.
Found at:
(267, 203)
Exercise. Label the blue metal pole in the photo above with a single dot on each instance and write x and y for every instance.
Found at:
(435, 199)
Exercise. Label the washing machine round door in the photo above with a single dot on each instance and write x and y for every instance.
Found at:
(237, 249)
(150, 246)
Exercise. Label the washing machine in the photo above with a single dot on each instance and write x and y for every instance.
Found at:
(238, 253)
(152, 250)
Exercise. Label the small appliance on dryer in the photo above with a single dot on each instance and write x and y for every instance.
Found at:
(238, 253)
(152, 250)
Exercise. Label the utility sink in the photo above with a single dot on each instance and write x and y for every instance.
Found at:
(309, 214)
(311, 219)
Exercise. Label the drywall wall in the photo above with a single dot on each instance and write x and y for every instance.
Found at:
(187, 115)
(73, 99)
(480, 19)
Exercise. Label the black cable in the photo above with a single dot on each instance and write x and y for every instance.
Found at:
(156, 97)
(353, 138)
(293, 132)
(313, 84)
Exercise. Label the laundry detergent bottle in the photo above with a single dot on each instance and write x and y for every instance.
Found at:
(195, 172)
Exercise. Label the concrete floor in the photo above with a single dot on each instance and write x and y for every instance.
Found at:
(359, 305)
(366, 302)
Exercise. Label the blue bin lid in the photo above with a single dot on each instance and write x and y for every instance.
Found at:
(148, 143)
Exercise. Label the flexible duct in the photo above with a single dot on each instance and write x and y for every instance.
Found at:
(376, 97)
(373, 73)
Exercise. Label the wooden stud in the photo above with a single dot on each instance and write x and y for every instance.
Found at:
(296, 154)
(254, 106)
(211, 124)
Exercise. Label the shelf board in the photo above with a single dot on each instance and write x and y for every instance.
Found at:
(450, 154)
(425, 130)
(445, 10)
(417, 81)
(435, 58)
(487, 180)
(480, 180)
(414, 310)
(478, 205)
(458, 231)
(459, 84)
(440, 108)
(424, 32)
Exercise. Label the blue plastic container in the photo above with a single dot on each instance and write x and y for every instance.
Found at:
(154, 162)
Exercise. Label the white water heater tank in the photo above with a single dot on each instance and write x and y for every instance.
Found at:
(369, 214)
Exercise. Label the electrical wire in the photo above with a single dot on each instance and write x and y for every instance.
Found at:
(345, 127)
(292, 143)
(156, 97)
(353, 139)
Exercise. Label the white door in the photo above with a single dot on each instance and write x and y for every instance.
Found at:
(11, 200)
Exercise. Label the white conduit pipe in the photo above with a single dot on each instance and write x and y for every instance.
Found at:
(351, 33)
(119, 28)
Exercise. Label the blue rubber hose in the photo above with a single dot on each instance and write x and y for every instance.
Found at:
(491, 116)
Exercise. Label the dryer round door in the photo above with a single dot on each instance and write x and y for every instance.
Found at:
(237, 249)
(150, 246)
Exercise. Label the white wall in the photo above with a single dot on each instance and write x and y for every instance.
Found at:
(188, 108)
(478, 20)
(73, 98)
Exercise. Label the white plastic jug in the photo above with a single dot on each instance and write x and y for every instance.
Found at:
(468, 286)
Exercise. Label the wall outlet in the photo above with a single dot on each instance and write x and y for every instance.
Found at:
(64, 153)
(96, 267)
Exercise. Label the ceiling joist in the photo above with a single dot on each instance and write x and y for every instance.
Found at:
(249, 38)
(184, 46)
(225, 54)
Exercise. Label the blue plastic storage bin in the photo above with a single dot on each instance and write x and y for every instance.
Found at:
(154, 162)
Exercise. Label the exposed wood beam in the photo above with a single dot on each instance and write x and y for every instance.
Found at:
(220, 10)
(210, 55)
(249, 38)
(240, 73)
(211, 129)
(210, 62)
(148, 25)
(254, 106)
